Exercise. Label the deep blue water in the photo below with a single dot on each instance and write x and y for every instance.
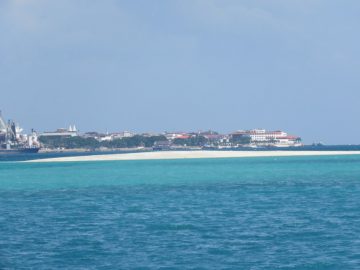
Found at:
(32, 156)
(250, 213)
(27, 156)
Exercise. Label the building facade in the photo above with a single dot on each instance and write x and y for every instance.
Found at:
(271, 138)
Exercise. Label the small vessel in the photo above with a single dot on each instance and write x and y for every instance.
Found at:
(12, 141)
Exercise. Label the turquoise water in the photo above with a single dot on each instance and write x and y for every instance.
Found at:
(253, 213)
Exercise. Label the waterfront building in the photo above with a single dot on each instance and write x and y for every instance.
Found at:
(61, 132)
(271, 138)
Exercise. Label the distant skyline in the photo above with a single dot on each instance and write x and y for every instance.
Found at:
(183, 65)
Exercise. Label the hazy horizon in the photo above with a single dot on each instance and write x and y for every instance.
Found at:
(183, 65)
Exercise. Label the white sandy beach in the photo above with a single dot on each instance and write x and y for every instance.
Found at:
(194, 155)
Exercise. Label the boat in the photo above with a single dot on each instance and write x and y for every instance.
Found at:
(12, 141)
(21, 150)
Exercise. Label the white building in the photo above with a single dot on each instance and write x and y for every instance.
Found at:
(123, 134)
(62, 132)
(114, 136)
(275, 138)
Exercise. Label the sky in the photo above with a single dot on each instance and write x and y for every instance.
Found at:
(183, 65)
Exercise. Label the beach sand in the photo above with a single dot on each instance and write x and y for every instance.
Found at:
(194, 155)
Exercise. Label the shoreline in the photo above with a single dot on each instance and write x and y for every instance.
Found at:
(166, 155)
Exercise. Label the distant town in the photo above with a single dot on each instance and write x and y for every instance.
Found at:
(71, 139)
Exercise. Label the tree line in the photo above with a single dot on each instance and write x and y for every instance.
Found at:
(92, 143)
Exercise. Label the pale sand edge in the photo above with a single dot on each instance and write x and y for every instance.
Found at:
(194, 155)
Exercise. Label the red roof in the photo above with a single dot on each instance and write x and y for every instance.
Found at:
(183, 137)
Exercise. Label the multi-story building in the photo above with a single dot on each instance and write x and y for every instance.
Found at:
(61, 132)
(263, 137)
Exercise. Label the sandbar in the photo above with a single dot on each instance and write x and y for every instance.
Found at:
(193, 155)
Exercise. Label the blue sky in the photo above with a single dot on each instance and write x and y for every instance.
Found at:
(183, 65)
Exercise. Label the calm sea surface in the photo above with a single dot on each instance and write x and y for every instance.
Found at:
(250, 213)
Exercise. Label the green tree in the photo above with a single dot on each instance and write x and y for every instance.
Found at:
(192, 141)
(240, 139)
(91, 143)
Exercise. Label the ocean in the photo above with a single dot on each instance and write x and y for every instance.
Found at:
(240, 213)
